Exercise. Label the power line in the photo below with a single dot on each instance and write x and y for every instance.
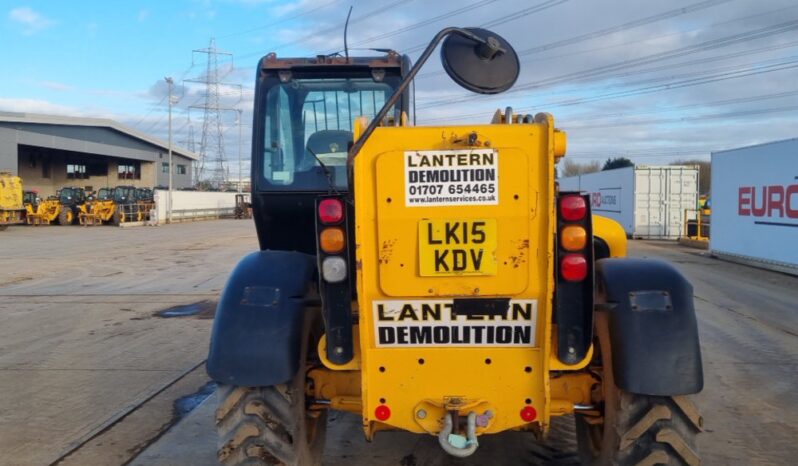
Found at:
(539, 60)
(183, 75)
(381, 9)
(738, 100)
(698, 61)
(685, 119)
(703, 61)
(426, 22)
(504, 19)
(281, 20)
(687, 80)
(611, 30)
(665, 55)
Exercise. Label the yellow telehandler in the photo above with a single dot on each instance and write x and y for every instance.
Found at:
(63, 208)
(117, 205)
(435, 280)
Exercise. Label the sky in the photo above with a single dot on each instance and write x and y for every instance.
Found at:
(653, 81)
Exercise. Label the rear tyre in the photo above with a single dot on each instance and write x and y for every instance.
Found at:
(266, 426)
(636, 429)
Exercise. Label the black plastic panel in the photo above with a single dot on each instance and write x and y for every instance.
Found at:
(257, 331)
(653, 330)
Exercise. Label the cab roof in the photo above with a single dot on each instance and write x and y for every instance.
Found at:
(272, 62)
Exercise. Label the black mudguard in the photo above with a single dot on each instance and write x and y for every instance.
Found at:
(652, 326)
(257, 330)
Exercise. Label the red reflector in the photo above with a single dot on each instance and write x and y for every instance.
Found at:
(573, 208)
(528, 414)
(382, 413)
(331, 211)
(573, 267)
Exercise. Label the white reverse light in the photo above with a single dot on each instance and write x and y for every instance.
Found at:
(333, 269)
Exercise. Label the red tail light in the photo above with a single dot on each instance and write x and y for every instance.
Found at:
(573, 208)
(573, 267)
(382, 413)
(528, 414)
(331, 211)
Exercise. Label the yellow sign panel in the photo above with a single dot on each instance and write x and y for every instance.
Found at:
(457, 247)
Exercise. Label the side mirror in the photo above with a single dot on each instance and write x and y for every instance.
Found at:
(477, 59)
(489, 67)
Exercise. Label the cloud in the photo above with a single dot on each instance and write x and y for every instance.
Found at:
(31, 21)
(56, 86)
(144, 14)
(35, 106)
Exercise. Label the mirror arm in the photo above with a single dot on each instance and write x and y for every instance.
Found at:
(403, 87)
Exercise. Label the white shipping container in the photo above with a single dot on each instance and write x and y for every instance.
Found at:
(648, 201)
(755, 205)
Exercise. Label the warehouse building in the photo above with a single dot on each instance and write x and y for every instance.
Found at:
(49, 152)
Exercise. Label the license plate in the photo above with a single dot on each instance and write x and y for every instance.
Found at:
(457, 247)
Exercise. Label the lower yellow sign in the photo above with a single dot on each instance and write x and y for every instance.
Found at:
(457, 247)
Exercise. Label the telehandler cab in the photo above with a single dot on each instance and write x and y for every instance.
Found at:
(434, 280)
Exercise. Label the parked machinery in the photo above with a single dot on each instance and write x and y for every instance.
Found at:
(63, 208)
(12, 208)
(98, 208)
(243, 207)
(112, 205)
(435, 280)
(145, 198)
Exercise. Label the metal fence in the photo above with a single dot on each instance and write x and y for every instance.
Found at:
(697, 225)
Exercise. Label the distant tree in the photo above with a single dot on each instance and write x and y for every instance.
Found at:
(204, 186)
(571, 168)
(704, 173)
(617, 162)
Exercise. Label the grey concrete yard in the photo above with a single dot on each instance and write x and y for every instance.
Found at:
(89, 371)
(79, 342)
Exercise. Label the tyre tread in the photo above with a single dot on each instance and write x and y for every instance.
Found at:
(661, 430)
(638, 430)
(250, 433)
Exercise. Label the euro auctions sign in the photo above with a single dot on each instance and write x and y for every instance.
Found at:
(755, 204)
(770, 205)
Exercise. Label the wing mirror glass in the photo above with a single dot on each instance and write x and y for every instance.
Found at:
(489, 67)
